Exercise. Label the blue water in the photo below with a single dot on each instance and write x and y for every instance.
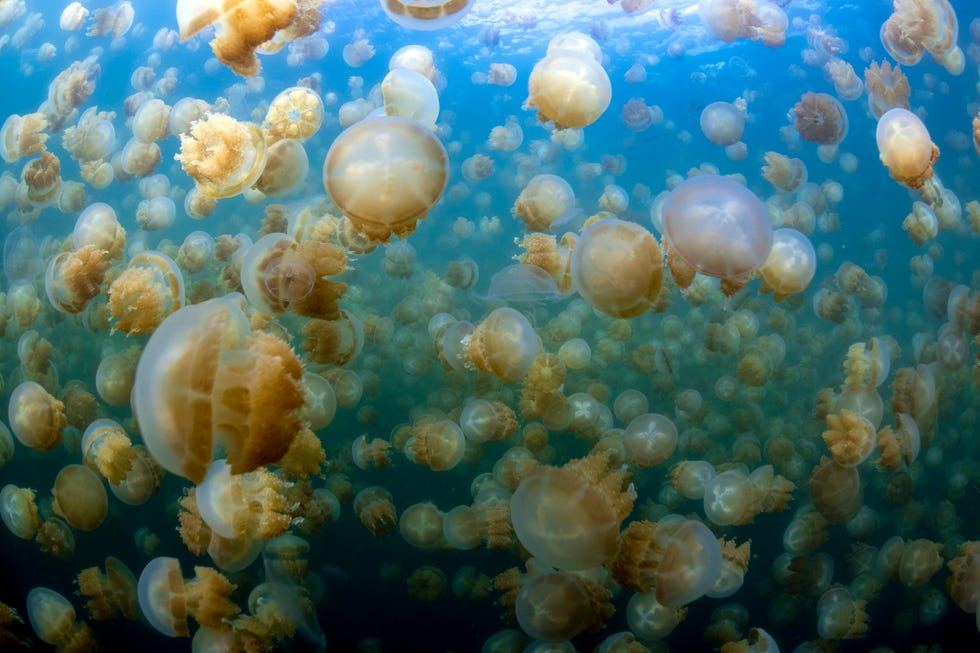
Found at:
(365, 594)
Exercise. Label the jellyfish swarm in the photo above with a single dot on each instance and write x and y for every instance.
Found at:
(617, 267)
(204, 380)
(905, 147)
(715, 226)
(385, 174)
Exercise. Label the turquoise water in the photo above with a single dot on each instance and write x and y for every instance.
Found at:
(688, 354)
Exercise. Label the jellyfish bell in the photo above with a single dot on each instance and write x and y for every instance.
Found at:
(410, 94)
(223, 155)
(905, 147)
(722, 123)
(790, 266)
(523, 284)
(718, 227)
(384, 174)
(570, 88)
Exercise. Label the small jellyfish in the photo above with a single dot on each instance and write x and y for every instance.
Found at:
(79, 497)
(167, 600)
(426, 15)
(410, 94)
(53, 620)
(504, 345)
(223, 155)
(790, 266)
(36, 418)
(722, 123)
(547, 202)
(569, 86)
(145, 293)
(905, 147)
(296, 113)
(820, 118)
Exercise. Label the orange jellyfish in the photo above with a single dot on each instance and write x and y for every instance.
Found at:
(569, 86)
(36, 418)
(385, 174)
(145, 293)
(504, 344)
(52, 618)
(167, 600)
(223, 155)
(204, 380)
(790, 266)
(905, 147)
(296, 113)
(112, 594)
(426, 15)
(617, 267)
(80, 497)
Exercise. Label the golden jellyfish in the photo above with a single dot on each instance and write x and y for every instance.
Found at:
(820, 118)
(964, 582)
(919, 26)
(790, 266)
(485, 421)
(285, 169)
(184, 112)
(156, 214)
(80, 497)
(149, 290)
(42, 179)
(296, 113)
(503, 344)
(22, 136)
(242, 506)
(437, 444)
(204, 380)
(92, 138)
(107, 449)
(850, 438)
(718, 227)
(74, 278)
(836, 491)
(887, 86)
(138, 158)
(650, 440)
(905, 147)
(167, 599)
(111, 595)
(141, 481)
(507, 137)
(410, 94)
(18, 511)
(744, 19)
(426, 15)
(276, 274)
(72, 17)
(547, 202)
(649, 619)
(6, 445)
(385, 174)
(840, 616)
(376, 510)
(98, 226)
(223, 155)
(723, 123)
(420, 526)
(569, 516)
(152, 121)
(53, 620)
(556, 606)
(415, 57)
(617, 267)
(569, 87)
(678, 559)
(36, 418)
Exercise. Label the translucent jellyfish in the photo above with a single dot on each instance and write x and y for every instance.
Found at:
(569, 516)
(614, 199)
(637, 116)
(840, 616)
(484, 421)
(569, 87)
(275, 274)
(678, 559)
(477, 168)
(546, 202)
(649, 619)
(184, 112)
(22, 136)
(722, 123)
(359, 51)
(156, 214)
(502, 74)
(887, 87)
(285, 169)
(921, 224)
(112, 21)
(411, 95)
(22, 260)
(295, 113)
(507, 137)
(98, 226)
(784, 173)
(414, 57)
(744, 19)
(503, 344)
(244, 506)
(36, 418)
(820, 118)
(905, 147)
(167, 600)
(836, 491)
(385, 174)
(204, 381)
(18, 511)
(715, 226)
(72, 17)
(152, 121)
(53, 620)
(790, 266)
(650, 440)
(617, 267)
(111, 595)
(426, 15)
(223, 155)
(918, 26)
(846, 82)
(139, 158)
(556, 606)
(145, 293)
(376, 511)
(79, 497)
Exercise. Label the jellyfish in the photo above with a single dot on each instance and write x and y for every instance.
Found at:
(223, 155)
(410, 94)
(152, 121)
(79, 497)
(722, 123)
(98, 226)
(36, 418)
(547, 202)
(53, 620)
(717, 227)
(244, 506)
(211, 401)
(156, 214)
(167, 599)
(507, 137)
(887, 86)
(569, 516)
(790, 266)
(295, 113)
(502, 74)
(569, 86)
(556, 606)
(426, 15)
(111, 595)
(18, 511)
(22, 136)
(149, 290)
(617, 267)
(385, 174)
(650, 439)
(72, 17)
(918, 26)
(376, 511)
(650, 619)
(744, 19)
(820, 118)
(503, 344)
(905, 147)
